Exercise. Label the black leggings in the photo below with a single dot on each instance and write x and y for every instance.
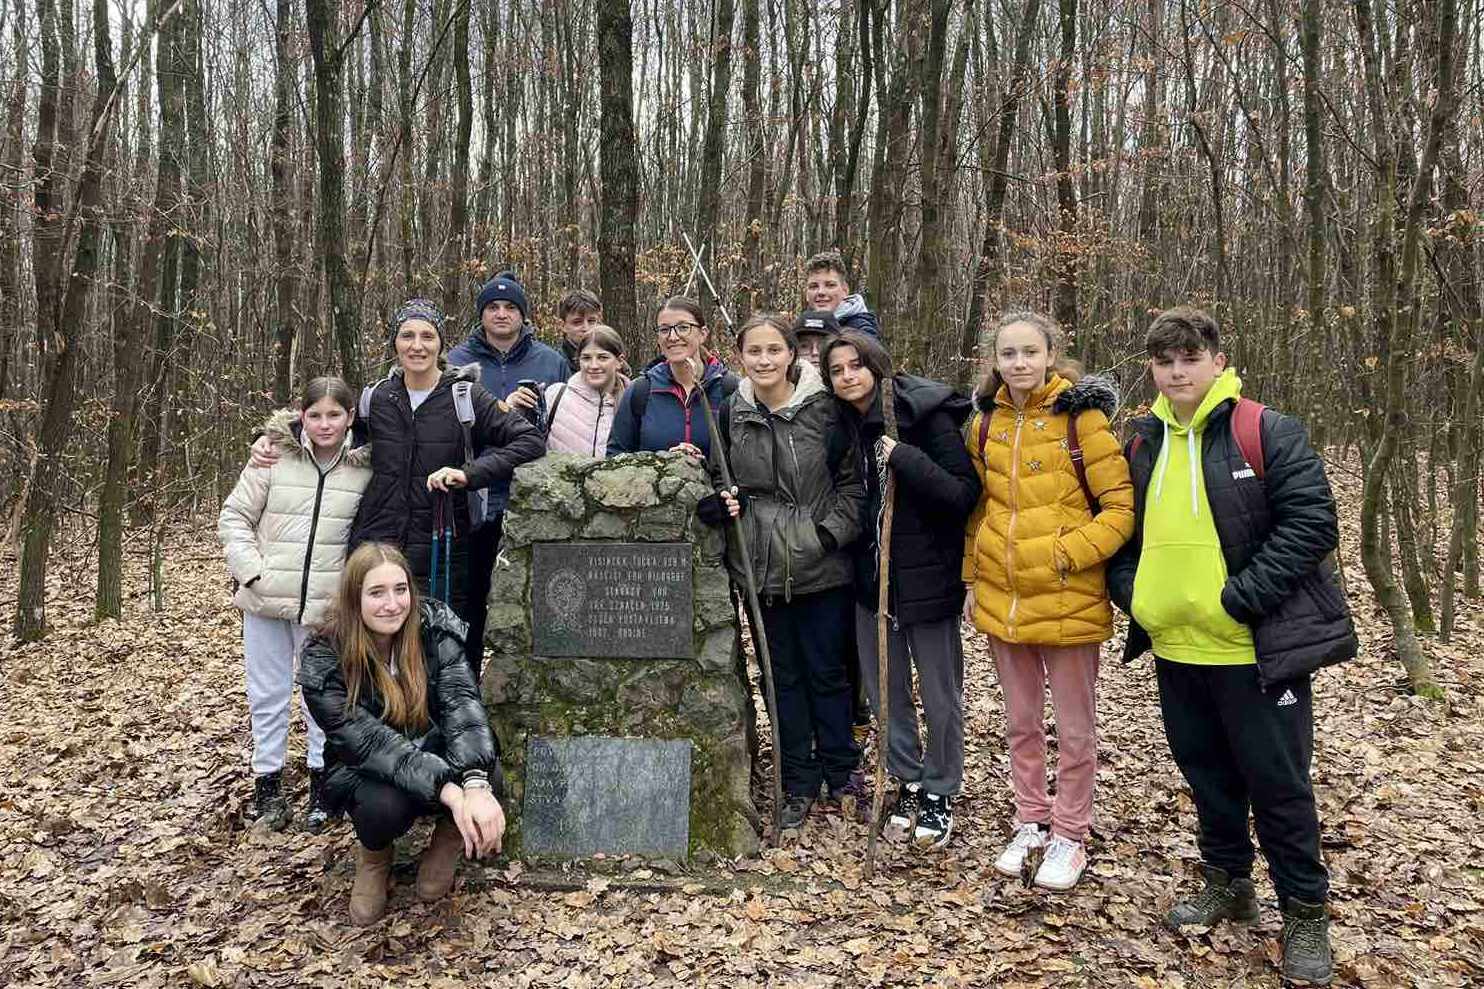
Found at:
(381, 813)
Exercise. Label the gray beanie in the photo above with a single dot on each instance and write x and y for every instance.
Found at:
(424, 309)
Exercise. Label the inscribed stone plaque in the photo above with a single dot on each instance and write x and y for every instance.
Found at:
(620, 796)
(612, 599)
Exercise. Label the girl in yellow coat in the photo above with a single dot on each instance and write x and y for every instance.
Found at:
(1033, 562)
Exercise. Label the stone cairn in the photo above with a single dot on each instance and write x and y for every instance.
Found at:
(647, 497)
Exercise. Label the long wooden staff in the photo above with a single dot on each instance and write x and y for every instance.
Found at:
(883, 646)
(759, 635)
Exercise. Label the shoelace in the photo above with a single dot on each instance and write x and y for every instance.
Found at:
(1211, 898)
(1060, 850)
(1303, 933)
(1025, 838)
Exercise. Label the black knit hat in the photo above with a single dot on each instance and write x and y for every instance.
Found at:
(506, 287)
(424, 309)
(821, 322)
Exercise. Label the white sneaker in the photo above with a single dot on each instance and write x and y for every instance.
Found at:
(1027, 836)
(1062, 867)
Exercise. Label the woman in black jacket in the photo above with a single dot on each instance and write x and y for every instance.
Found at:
(406, 733)
(937, 490)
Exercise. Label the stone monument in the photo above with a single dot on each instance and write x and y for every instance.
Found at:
(615, 681)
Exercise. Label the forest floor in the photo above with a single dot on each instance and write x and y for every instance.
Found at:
(124, 860)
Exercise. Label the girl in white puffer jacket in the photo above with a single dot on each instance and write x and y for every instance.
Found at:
(285, 530)
(580, 409)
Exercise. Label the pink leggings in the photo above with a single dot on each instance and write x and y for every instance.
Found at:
(1072, 672)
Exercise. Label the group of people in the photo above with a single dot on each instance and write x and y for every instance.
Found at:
(363, 533)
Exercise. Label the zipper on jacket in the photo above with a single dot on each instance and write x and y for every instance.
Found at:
(1010, 530)
(319, 493)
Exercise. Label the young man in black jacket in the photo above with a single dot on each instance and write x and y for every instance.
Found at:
(1227, 580)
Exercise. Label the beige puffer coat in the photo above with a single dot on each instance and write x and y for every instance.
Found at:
(285, 528)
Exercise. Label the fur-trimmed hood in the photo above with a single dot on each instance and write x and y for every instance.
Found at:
(287, 436)
(1091, 391)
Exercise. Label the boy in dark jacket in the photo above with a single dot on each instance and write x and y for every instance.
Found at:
(1227, 581)
(827, 288)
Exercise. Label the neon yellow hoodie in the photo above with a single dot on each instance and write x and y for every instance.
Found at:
(1177, 589)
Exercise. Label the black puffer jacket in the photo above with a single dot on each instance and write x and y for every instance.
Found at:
(801, 486)
(359, 743)
(407, 446)
(1276, 536)
(937, 490)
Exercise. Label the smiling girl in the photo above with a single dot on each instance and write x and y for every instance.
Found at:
(285, 530)
(1034, 558)
(407, 733)
(799, 495)
(581, 408)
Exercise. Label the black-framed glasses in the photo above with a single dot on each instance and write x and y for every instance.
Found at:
(677, 330)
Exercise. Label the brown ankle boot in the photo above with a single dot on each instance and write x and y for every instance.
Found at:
(435, 871)
(368, 893)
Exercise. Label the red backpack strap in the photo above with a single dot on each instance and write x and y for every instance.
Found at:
(1247, 431)
(1074, 450)
(983, 435)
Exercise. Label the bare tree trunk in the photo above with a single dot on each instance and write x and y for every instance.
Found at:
(714, 148)
(928, 284)
(325, 45)
(845, 177)
(1064, 301)
(999, 181)
(458, 206)
(756, 145)
(1399, 329)
(281, 167)
(619, 171)
(39, 520)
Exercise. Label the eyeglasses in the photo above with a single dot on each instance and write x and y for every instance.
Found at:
(678, 330)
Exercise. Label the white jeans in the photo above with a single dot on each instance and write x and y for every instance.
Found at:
(270, 647)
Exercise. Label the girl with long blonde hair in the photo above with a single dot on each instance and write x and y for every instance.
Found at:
(406, 733)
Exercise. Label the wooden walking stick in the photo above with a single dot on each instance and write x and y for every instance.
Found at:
(883, 650)
(759, 635)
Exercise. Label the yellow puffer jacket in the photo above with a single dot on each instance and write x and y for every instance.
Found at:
(1033, 551)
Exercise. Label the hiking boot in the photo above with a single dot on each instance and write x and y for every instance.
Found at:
(1224, 898)
(368, 893)
(852, 798)
(318, 815)
(1012, 859)
(904, 812)
(1062, 865)
(269, 810)
(1306, 954)
(934, 821)
(796, 807)
(440, 859)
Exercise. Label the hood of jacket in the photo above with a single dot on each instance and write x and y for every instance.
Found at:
(916, 400)
(1226, 388)
(1091, 391)
(660, 375)
(287, 435)
(806, 388)
(852, 305)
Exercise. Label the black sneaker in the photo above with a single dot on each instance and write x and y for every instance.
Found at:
(1306, 953)
(934, 821)
(796, 807)
(318, 815)
(269, 810)
(904, 812)
(1224, 898)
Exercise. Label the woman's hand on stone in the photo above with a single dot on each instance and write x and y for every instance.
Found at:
(689, 449)
(447, 479)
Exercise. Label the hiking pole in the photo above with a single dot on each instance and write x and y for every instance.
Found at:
(883, 646)
(759, 634)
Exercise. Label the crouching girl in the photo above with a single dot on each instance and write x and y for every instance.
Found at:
(407, 735)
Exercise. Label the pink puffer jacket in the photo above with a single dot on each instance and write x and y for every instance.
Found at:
(583, 417)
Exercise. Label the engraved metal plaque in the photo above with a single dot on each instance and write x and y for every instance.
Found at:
(604, 600)
(618, 796)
